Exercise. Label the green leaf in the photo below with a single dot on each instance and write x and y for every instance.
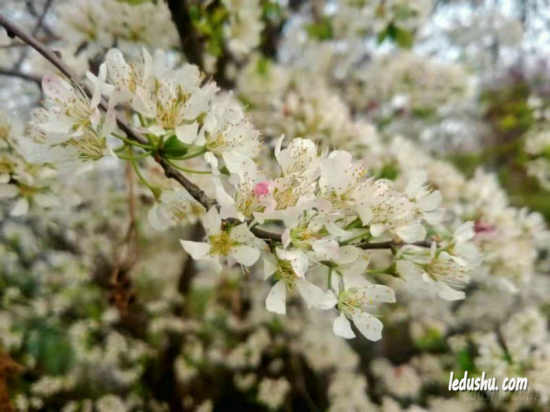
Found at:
(389, 171)
(263, 65)
(174, 148)
(134, 2)
(321, 30)
(403, 38)
(272, 11)
(50, 347)
(432, 341)
(382, 35)
(465, 361)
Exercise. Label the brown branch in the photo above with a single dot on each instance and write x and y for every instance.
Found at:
(125, 254)
(392, 244)
(190, 44)
(8, 368)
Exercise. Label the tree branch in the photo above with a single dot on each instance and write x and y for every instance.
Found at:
(391, 244)
(190, 45)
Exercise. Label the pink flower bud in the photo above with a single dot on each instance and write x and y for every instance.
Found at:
(261, 189)
(480, 227)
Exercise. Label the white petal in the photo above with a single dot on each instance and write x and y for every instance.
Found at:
(380, 294)
(377, 229)
(8, 191)
(446, 292)
(365, 214)
(4, 38)
(368, 325)
(326, 249)
(56, 88)
(46, 200)
(356, 268)
(434, 217)
(245, 255)
(464, 232)
(20, 208)
(314, 296)
(197, 250)
(212, 221)
(278, 146)
(276, 299)
(117, 68)
(239, 164)
(298, 260)
(158, 219)
(413, 232)
(408, 270)
(335, 170)
(187, 133)
(430, 202)
(270, 265)
(341, 327)
(222, 196)
(355, 280)
(347, 255)
(212, 160)
(285, 237)
(416, 183)
(242, 234)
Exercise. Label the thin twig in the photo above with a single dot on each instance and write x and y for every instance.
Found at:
(36, 29)
(41, 25)
(20, 75)
(391, 244)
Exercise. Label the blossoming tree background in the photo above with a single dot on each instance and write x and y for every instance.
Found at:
(273, 205)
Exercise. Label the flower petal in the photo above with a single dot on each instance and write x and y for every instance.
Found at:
(20, 208)
(446, 292)
(8, 191)
(212, 221)
(276, 299)
(413, 232)
(158, 219)
(314, 296)
(245, 255)
(341, 327)
(368, 325)
(197, 250)
(187, 133)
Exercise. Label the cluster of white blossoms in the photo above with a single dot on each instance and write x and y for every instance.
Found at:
(20, 182)
(524, 350)
(244, 25)
(537, 147)
(410, 82)
(104, 23)
(324, 209)
(350, 16)
(70, 127)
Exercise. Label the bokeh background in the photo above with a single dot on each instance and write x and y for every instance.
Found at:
(101, 312)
